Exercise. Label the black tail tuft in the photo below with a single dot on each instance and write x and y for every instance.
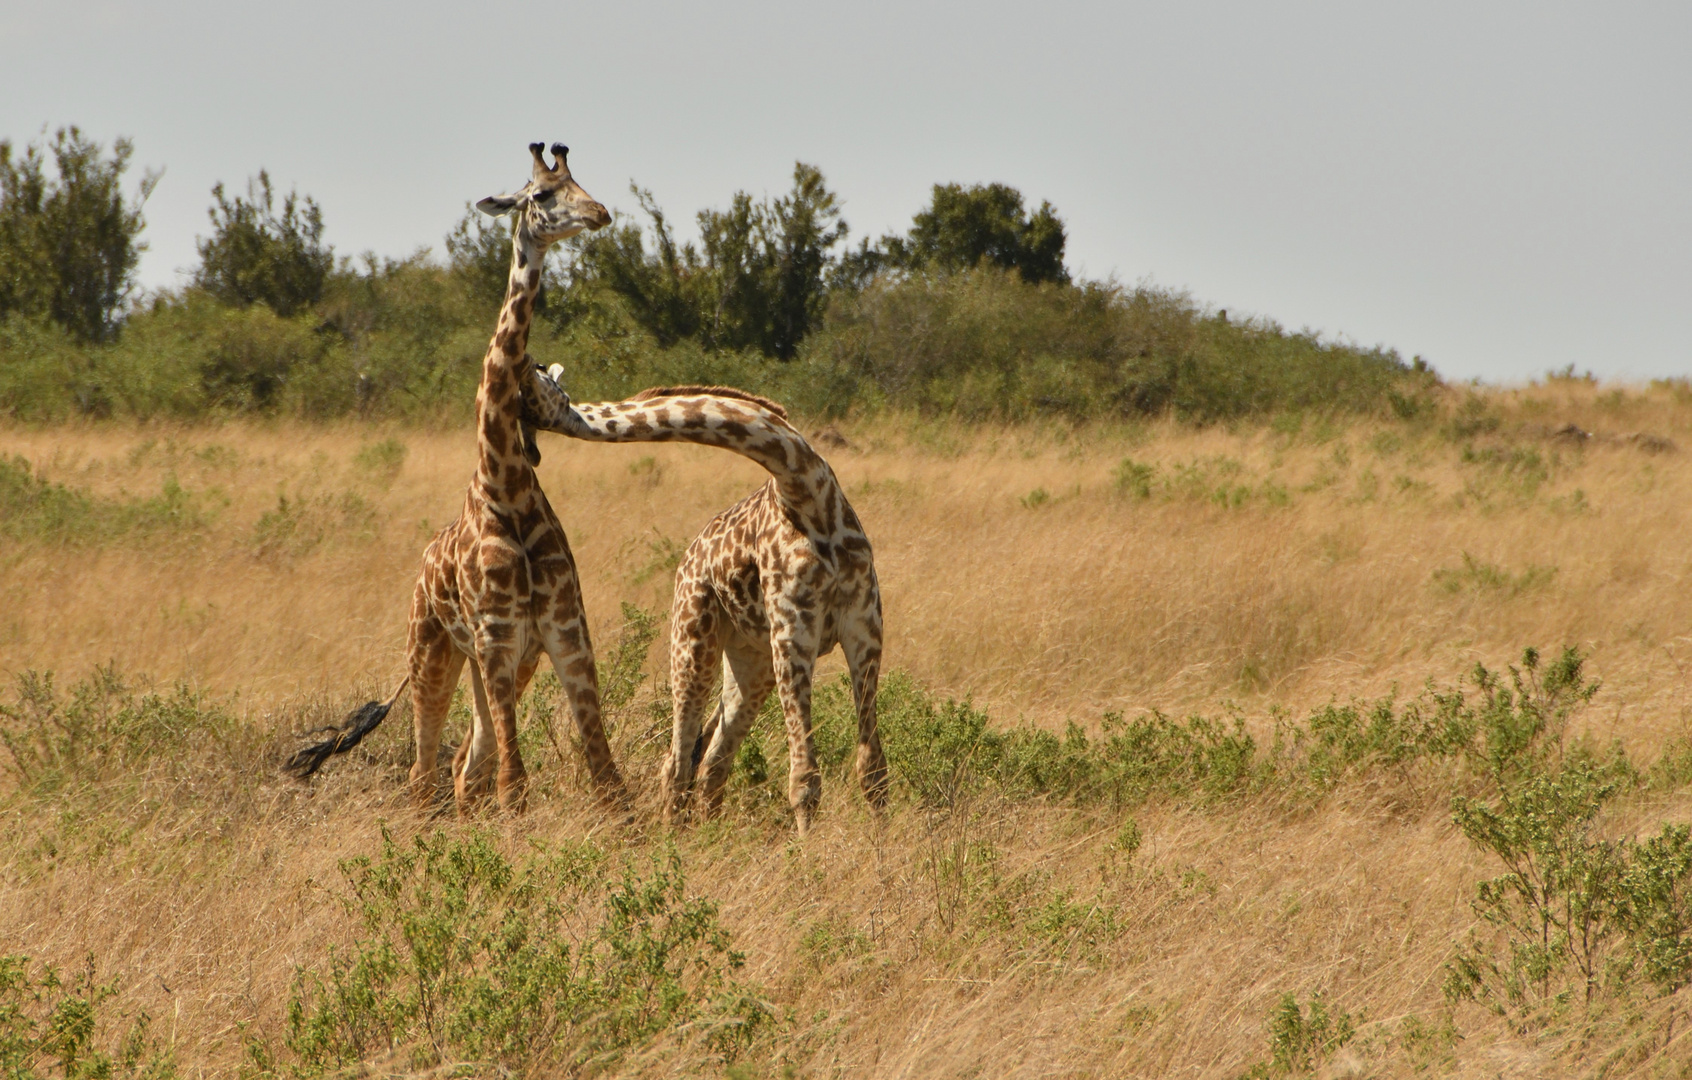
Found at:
(359, 724)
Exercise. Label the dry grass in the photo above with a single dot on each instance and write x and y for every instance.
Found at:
(1263, 566)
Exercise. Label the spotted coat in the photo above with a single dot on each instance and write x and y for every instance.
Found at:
(770, 584)
(498, 587)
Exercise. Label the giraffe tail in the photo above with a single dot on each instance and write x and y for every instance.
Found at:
(361, 723)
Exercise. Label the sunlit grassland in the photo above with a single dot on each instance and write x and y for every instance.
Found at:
(1093, 575)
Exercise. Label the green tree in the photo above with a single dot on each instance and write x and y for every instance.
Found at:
(758, 279)
(964, 227)
(70, 242)
(256, 255)
(658, 287)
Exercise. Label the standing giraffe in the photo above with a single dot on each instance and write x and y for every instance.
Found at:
(770, 585)
(498, 586)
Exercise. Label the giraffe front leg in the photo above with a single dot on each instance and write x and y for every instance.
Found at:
(473, 765)
(496, 656)
(570, 648)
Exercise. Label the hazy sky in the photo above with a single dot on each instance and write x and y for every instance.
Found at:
(1503, 188)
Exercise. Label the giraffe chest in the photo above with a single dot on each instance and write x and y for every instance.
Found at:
(494, 576)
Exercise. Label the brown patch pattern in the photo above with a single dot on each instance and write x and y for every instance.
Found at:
(771, 584)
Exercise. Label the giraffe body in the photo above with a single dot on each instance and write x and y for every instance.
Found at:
(498, 587)
(769, 586)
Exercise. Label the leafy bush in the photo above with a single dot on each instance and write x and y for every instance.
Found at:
(1480, 576)
(962, 228)
(1301, 1039)
(1656, 915)
(104, 727)
(986, 344)
(553, 961)
(943, 752)
(381, 460)
(1557, 904)
(51, 1028)
(756, 282)
(32, 508)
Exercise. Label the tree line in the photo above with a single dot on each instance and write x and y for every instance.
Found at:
(969, 310)
(71, 241)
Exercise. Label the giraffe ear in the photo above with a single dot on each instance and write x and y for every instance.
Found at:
(496, 205)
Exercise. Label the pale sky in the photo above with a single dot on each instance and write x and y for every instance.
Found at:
(1503, 188)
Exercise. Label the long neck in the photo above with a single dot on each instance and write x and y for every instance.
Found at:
(500, 467)
(805, 483)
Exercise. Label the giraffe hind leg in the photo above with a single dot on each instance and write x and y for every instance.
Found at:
(793, 652)
(748, 678)
(695, 650)
(863, 660)
(435, 666)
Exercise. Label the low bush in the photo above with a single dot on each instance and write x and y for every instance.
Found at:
(38, 510)
(1301, 1038)
(943, 751)
(987, 344)
(555, 961)
(51, 1028)
(103, 727)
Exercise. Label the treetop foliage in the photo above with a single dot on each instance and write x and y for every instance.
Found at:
(256, 255)
(69, 241)
(757, 280)
(969, 313)
(965, 227)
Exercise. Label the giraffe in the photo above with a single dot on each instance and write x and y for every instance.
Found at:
(769, 585)
(498, 587)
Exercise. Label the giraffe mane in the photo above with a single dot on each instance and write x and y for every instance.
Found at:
(713, 391)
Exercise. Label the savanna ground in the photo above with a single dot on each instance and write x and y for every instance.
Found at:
(1001, 919)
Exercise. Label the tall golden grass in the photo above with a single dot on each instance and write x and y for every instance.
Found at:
(1278, 565)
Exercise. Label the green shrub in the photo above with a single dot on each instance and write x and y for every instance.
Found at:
(1557, 904)
(50, 1028)
(1301, 1039)
(987, 344)
(256, 255)
(41, 511)
(381, 461)
(1477, 576)
(551, 962)
(1133, 478)
(103, 727)
(69, 240)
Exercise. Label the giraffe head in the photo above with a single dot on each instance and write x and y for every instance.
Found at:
(551, 206)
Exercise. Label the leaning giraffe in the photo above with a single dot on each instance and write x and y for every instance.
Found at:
(770, 585)
(498, 586)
